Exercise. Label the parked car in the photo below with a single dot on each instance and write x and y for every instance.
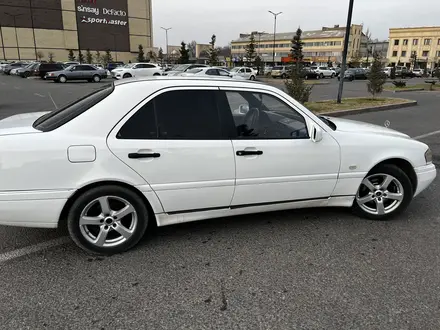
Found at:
(168, 151)
(279, 72)
(28, 70)
(137, 70)
(210, 72)
(71, 63)
(78, 72)
(355, 74)
(323, 71)
(401, 71)
(178, 69)
(336, 70)
(308, 73)
(7, 69)
(113, 65)
(418, 72)
(43, 68)
(244, 72)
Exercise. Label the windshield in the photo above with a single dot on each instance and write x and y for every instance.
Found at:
(197, 70)
(127, 65)
(69, 67)
(235, 69)
(182, 67)
(277, 68)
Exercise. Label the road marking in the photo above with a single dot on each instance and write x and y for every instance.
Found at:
(36, 94)
(426, 135)
(17, 87)
(53, 101)
(33, 249)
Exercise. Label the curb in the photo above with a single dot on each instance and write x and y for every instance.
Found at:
(407, 90)
(342, 113)
(281, 81)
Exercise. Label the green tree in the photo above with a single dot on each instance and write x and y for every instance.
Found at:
(295, 85)
(89, 56)
(151, 56)
(98, 57)
(259, 64)
(40, 55)
(250, 50)
(184, 54)
(107, 58)
(51, 57)
(80, 57)
(141, 55)
(160, 55)
(213, 51)
(192, 48)
(71, 55)
(437, 71)
(376, 78)
(355, 60)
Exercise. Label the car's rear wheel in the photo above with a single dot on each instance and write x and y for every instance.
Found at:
(333, 75)
(306, 77)
(252, 78)
(126, 75)
(62, 79)
(321, 75)
(284, 76)
(26, 74)
(384, 193)
(96, 78)
(107, 220)
(156, 74)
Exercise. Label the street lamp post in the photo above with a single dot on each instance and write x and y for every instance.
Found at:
(16, 35)
(275, 15)
(166, 38)
(344, 54)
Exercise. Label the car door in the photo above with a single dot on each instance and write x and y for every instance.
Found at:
(183, 157)
(276, 160)
(212, 72)
(77, 72)
(88, 72)
(242, 72)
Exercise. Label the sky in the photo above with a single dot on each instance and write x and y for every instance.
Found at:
(199, 19)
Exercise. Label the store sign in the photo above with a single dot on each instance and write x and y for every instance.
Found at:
(103, 25)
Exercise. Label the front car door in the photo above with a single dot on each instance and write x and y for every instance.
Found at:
(174, 140)
(76, 73)
(276, 160)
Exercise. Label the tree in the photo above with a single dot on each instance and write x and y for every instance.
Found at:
(160, 55)
(259, 64)
(141, 55)
(295, 85)
(437, 71)
(80, 57)
(250, 50)
(107, 58)
(71, 55)
(98, 57)
(355, 60)
(151, 56)
(213, 51)
(184, 54)
(225, 51)
(376, 78)
(192, 48)
(40, 55)
(89, 56)
(51, 57)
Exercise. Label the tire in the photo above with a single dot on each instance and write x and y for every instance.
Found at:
(96, 78)
(306, 77)
(321, 75)
(126, 75)
(367, 200)
(156, 74)
(88, 204)
(62, 79)
(252, 78)
(283, 76)
(26, 74)
(333, 75)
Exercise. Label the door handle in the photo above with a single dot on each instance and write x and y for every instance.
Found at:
(137, 155)
(249, 152)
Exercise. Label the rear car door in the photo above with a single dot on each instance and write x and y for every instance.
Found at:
(88, 71)
(174, 140)
(276, 160)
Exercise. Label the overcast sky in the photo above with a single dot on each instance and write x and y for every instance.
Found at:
(199, 19)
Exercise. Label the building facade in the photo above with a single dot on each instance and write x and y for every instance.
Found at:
(36, 29)
(321, 46)
(370, 47)
(419, 47)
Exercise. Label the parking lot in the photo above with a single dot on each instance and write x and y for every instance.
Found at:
(303, 269)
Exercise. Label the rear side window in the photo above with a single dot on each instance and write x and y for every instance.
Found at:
(61, 116)
(176, 115)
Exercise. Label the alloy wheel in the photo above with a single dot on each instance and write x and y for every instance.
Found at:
(108, 221)
(380, 194)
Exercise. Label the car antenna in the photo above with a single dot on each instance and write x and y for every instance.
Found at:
(56, 107)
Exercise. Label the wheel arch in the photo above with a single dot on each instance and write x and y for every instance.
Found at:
(404, 165)
(62, 221)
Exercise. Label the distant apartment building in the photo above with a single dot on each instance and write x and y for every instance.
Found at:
(369, 47)
(417, 46)
(320, 46)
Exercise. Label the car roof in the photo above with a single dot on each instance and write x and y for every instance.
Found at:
(180, 80)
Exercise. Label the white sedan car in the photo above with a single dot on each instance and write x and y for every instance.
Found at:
(175, 149)
(137, 70)
(212, 72)
(244, 72)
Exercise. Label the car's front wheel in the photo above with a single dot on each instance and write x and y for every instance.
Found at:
(126, 75)
(384, 193)
(62, 79)
(321, 75)
(107, 220)
(96, 78)
(252, 78)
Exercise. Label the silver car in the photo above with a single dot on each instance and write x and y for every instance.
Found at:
(78, 72)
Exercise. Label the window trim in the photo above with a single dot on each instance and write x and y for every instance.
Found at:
(306, 118)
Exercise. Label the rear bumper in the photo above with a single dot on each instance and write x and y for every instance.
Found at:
(425, 175)
(38, 209)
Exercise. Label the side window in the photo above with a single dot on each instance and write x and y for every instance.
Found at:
(141, 126)
(212, 72)
(241, 70)
(248, 70)
(188, 115)
(149, 66)
(89, 68)
(223, 73)
(263, 116)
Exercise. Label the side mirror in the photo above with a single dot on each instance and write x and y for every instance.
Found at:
(243, 109)
(316, 133)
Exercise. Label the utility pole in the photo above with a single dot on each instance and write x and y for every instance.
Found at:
(16, 35)
(345, 51)
(114, 46)
(275, 15)
(259, 41)
(166, 38)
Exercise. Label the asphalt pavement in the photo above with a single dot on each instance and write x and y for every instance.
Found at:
(302, 269)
